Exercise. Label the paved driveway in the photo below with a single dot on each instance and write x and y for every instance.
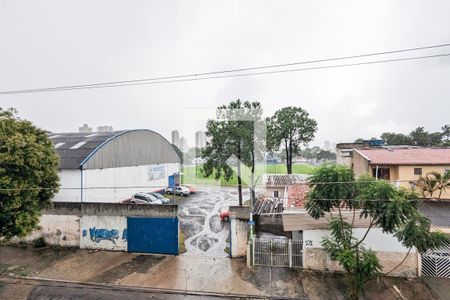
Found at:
(205, 234)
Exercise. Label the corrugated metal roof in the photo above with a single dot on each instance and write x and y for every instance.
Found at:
(406, 156)
(112, 149)
(71, 158)
(283, 180)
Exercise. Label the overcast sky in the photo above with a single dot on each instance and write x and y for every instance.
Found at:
(54, 43)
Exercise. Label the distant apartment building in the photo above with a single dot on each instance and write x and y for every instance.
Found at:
(176, 138)
(200, 139)
(85, 129)
(183, 144)
(105, 128)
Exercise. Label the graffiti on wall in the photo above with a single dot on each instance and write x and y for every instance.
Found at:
(99, 234)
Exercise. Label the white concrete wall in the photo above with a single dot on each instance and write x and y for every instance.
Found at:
(388, 250)
(112, 184)
(375, 240)
(103, 232)
(70, 184)
(239, 234)
(60, 230)
(140, 176)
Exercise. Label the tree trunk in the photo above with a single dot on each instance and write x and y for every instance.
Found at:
(239, 175)
(287, 157)
(253, 184)
(289, 171)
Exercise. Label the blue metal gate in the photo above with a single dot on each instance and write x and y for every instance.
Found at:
(152, 235)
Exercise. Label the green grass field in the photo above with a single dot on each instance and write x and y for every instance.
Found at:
(193, 174)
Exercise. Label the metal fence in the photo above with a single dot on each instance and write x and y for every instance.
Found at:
(275, 252)
(436, 263)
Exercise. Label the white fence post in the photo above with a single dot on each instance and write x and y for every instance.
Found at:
(271, 252)
(253, 251)
(290, 253)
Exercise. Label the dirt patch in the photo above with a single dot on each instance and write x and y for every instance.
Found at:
(138, 264)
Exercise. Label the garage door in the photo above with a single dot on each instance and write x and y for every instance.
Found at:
(153, 235)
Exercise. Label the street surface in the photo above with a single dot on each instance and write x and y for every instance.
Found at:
(40, 290)
(205, 234)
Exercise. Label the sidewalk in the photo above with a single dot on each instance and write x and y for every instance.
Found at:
(194, 273)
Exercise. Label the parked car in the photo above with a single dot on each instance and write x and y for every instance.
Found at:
(179, 190)
(224, 215)
(191, 188)
(160, 197)
(143, 198)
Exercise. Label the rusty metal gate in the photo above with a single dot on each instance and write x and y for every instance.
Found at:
(436, 263)
(276, 252)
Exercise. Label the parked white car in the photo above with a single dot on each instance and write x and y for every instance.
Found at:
(179, 190)
(160, 197)
(144, 198)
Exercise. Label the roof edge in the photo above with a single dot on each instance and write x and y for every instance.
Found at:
(114, 137)
(363, 155)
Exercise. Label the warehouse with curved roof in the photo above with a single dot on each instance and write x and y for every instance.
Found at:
(111, 166)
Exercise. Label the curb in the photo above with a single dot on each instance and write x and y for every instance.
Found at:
(78, 284)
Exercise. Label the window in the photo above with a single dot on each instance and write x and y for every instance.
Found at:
(275, 194)
(383, 173)
(417, 171)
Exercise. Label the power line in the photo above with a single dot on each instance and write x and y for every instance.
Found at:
(207, 75)
(203, 184)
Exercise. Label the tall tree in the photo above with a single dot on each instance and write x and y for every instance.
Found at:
(391, 139)
(28, 174)
(420, 137)
(395, 211)
(446, 132)
(326, 155)
(232, 134)
(290, 128)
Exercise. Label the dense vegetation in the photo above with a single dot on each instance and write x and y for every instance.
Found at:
(28, 174)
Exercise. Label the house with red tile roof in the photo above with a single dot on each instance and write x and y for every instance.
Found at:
(403, 165)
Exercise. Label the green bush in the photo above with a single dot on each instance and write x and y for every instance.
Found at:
(39, 243)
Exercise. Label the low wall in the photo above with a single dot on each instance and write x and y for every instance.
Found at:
(239, 237)
(387, 248)
(239, 217)
(318, 259)
(103, 232)
(93, 225)
(111, 209)
(58, 230)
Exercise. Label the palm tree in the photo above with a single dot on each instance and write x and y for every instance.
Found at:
(434, 181)
(444, 183)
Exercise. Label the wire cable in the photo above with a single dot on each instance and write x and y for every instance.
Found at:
(207, 75)
(208, 185)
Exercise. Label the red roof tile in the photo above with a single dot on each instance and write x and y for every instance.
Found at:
(297, 195)
(406, 156)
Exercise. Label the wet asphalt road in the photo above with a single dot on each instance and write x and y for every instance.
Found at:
(205, 234)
